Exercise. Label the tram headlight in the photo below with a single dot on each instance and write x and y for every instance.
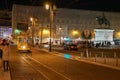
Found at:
(23, 47)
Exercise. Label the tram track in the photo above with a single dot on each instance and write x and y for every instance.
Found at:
(47, 72)
(22, 70)
(25, 67)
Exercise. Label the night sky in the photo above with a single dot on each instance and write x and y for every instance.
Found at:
(102, 5)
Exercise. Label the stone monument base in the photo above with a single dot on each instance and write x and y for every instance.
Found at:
(103, 36)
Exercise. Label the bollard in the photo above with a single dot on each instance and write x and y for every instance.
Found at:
(81, 54)
(95, 57)
(114, 54)
(105, 59)
(90, 53)
(116, 61)
(102, 54)
(86, 53)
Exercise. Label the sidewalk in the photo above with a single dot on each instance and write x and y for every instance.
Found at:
(4, 75)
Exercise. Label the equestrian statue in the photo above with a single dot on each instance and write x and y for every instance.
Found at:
(103, 21)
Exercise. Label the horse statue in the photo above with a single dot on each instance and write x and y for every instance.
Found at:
(103, 20)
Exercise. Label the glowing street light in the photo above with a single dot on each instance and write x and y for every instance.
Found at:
(51, 9)
(47, 6)
(33, 24)
(46, 31)
(60, 29)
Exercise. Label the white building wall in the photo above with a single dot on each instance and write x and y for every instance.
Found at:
(70, 18)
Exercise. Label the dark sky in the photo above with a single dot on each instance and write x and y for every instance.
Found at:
(103, 5)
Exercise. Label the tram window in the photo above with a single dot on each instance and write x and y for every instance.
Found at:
(22, 40)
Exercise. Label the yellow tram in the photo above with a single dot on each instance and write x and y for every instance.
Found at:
(23, 44)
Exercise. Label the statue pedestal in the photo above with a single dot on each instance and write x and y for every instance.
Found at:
(103, 36)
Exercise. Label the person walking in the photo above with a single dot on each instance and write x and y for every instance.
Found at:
(6, 51)
(1, 53)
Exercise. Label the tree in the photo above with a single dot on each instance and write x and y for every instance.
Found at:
(86, 37)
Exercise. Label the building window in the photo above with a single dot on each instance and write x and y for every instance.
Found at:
(22, 26)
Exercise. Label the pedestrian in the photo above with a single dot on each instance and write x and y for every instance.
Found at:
(6, 51)
(37, 44)
(1, 53)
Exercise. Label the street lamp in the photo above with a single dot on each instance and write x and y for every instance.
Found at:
(51, 9)
(60, 29)
(32, 28)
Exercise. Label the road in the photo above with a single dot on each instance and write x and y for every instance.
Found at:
(40, 65)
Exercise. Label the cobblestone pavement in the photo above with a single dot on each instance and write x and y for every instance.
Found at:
(4, 75)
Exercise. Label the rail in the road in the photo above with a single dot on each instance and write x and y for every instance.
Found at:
(42, 69)
(21, 70)
(24, 67)
(33, 69)
(33, 66)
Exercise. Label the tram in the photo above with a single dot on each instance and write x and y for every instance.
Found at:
(23, 44)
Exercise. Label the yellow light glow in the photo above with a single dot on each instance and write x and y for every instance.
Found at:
(47, 6)
(75, 32)
(45, 31)
(29, 27)
(60, 28)
(23, 47)
(118, 34)
(31, 19)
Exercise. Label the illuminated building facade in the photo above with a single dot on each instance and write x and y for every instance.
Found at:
(5, 24)
(67, 19)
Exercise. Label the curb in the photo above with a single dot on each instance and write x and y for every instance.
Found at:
(82, 59)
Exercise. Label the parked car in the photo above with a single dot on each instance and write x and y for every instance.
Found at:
(70, 47)
(46, 44)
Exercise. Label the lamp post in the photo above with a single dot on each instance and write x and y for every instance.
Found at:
(41, 36)
(60, 29)
(51, 9)
(33, 24)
